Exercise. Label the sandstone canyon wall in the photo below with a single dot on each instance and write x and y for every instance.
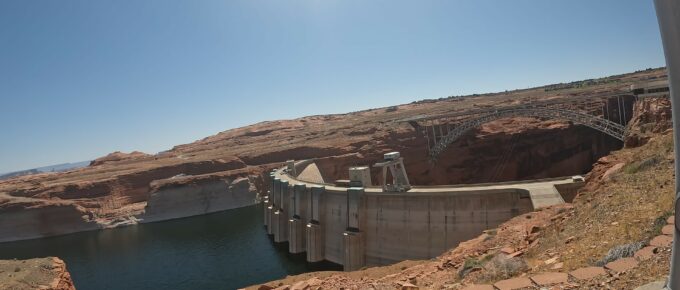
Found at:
(160, 193)
(177, 201)
(35, 219)
(503, 150)
(230, 169)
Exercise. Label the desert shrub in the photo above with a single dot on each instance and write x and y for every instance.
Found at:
(503, 267)
(642, 165)
(468, 266)
(631, 168)
(620, 251)
(649, 162)
(392, 109)
(659, 223)
(668, 144)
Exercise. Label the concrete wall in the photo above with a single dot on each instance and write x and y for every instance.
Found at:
(356, 228)
(334, 214)
(568, 191)
(423, 225)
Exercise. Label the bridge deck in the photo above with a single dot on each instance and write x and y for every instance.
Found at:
(607, 113)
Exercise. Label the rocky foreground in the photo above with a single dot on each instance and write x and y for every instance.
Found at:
(42, 273)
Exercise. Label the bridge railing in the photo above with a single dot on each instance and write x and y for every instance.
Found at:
(595, 113)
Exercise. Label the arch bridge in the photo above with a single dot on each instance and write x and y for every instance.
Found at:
(608, 114)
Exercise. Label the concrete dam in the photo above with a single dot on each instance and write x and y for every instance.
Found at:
(356, 224)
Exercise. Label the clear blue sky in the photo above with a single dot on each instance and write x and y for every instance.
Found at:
(79, 79)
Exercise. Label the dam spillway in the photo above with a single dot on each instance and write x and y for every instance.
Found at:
(367, 226)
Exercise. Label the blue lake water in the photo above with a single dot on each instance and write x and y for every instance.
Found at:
(225, 250)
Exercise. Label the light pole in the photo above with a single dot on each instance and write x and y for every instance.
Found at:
(668, 14)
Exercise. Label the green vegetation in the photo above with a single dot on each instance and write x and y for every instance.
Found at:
(502, 267)
(659, 223)
(468, 266)
(641, 165)
(620, 251)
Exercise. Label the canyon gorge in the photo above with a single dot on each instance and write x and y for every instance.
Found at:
(231, 169)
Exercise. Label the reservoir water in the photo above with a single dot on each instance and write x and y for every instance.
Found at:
(225, 250)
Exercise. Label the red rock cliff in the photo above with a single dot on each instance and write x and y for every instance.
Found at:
(41, 273)
(117, 189)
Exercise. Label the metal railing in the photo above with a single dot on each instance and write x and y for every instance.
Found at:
(613, 129)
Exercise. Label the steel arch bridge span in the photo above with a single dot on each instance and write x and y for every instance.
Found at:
(610, 128)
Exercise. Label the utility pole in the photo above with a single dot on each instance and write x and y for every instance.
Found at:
(668, 14)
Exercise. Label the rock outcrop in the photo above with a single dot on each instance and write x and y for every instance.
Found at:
(650, 116)
(41, 273)
(118, 156)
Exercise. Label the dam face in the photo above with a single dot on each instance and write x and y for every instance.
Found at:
(358, 227)
(414, 226)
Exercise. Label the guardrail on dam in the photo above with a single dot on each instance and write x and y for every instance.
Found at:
(365, 226)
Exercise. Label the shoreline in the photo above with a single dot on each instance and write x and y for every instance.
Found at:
(134, 221)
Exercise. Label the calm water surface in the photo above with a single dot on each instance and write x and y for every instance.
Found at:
(224, 250)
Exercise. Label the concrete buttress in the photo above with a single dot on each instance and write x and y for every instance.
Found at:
(353, 237)
(315, 231)
(297, 223)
